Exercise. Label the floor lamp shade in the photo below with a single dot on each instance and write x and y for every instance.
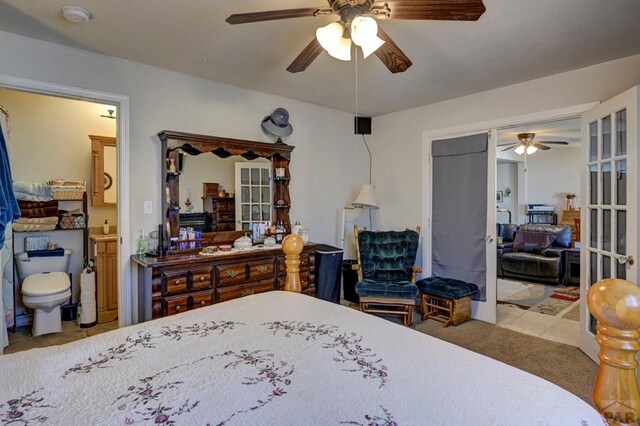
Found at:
(366, 199)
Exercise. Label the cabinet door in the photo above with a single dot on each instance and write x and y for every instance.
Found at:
(107, 280)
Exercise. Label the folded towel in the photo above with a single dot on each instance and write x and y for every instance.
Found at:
(38, 209)
(37, 213)
(33, 227)
(37, 204)
(32, 191)
(62, 182)
(58, 252)
(52, 220)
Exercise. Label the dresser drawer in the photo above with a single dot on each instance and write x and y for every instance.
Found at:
(261, 270)
(176, 282)
(186, 302)
(229, 293)
(235, 273)
(307, 281)
(304, 264)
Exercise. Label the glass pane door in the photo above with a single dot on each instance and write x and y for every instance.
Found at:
(253, 184)
(609, 212)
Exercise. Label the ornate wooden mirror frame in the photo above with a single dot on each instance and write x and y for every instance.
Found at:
(279, 153)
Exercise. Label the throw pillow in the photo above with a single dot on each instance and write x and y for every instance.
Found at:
(533, 241)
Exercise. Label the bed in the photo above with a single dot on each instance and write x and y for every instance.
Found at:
(275, 358)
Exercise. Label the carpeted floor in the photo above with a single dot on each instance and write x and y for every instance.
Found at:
(564, 365)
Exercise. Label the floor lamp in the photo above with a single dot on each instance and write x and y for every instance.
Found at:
(366, 199)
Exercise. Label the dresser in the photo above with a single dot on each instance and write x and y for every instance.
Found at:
(175, 283)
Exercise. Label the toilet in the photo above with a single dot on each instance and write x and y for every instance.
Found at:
(45, 287)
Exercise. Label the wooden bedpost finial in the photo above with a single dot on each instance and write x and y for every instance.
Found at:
(292, 246)
(615, 304)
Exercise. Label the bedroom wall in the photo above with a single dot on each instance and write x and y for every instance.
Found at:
(397, 137)
(328, 163)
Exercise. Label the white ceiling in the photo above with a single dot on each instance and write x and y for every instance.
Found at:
(514, 41)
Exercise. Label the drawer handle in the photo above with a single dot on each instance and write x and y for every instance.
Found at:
(202, 279)
(177, 282)
(262, 268)
(232, 273)
(203, 303)
(246, 293)
(178, 308)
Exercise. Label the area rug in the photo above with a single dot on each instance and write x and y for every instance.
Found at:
(544, 299)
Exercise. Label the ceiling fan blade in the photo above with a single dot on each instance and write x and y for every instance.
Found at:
(554, 142)
(541, 146)
(244, 18)
(440, 10)
(304, 59)
(391, 55)
(510, 147)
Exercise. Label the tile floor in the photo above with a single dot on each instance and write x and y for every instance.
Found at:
(554, 328)
(22, 340)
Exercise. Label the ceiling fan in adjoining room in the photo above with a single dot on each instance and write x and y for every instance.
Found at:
(357, 25)
(526, 144)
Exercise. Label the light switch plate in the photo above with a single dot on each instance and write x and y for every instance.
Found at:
(147, 207)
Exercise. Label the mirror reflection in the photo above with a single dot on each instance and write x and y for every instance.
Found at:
(224, 194)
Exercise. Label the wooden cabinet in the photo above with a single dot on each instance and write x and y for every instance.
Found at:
(222, 213)
(106, 257)
(173, 284)
(569, 218)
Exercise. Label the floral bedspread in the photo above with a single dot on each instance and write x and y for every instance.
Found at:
(274, 359)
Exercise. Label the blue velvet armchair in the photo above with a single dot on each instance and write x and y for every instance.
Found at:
(386, 271)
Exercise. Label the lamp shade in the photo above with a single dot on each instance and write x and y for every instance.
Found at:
(364, 33)
(366, 199)
(531, 149)
(331, 40)
(342, 49)
(520, 149)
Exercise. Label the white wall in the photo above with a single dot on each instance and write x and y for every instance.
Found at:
(507, 176)
(551, 175)
(328, 163)
(50, 140)
(397, 145)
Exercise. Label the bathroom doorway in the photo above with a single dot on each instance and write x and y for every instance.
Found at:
(52, 141)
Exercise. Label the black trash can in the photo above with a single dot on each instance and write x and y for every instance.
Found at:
(349, 281)
(328, 260)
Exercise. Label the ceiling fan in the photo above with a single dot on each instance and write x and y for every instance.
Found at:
(357, 24)
(527, 144)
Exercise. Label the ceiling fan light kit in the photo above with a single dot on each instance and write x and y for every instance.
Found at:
(357, 24)
(527, 144)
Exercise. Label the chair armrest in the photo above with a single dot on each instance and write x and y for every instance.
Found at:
(553, 252)
(355, 267)
(417, 269)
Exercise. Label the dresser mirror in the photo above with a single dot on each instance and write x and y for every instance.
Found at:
(103, 171)
(193, 164)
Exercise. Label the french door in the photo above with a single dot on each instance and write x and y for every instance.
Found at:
(609, 215)
(253, 194)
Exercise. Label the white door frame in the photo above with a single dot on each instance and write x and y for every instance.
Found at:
(125, 292)
(485, 311)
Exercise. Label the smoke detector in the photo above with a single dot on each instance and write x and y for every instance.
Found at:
(76, 14)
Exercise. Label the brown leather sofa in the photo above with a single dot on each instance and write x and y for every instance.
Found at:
(531, 264)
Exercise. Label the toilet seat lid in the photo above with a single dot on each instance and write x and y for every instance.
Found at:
(45, 284)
